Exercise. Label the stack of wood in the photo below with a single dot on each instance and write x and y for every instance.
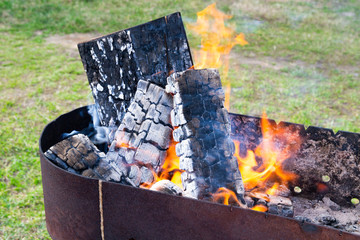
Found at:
(128, 72)
(116, 62)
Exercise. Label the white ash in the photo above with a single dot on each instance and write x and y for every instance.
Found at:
(328, 213)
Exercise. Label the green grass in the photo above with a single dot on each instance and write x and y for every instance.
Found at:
(301, 66)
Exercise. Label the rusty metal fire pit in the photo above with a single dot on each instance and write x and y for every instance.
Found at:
(77, 207)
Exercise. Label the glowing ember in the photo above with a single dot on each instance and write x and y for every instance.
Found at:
(169, 170)
(217, 40)
(259, 208)
(261, 169)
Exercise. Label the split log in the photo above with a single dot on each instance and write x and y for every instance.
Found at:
(144, 135)
(114, 63)
(77, 154)
(203, 130)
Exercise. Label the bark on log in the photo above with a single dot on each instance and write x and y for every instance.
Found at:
(203, 130)
(323, 155)
(77, 154)
(143, 137)
(114, 63)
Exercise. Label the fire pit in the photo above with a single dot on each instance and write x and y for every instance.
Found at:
(148, 96)
(77, 207)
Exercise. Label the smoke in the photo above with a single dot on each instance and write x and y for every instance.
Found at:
(101, 136)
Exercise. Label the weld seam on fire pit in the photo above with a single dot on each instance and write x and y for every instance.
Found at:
(101, 211)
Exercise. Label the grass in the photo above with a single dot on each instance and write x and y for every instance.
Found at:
(301, 66)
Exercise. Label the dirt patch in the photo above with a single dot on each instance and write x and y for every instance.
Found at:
(282, 63)
(69, 42)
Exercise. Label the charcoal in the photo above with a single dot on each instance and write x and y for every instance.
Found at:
(116, 62)
(280, 206)
(143, 137)
(277, 205)
(203, 129)
(77, 154)
(165, 186)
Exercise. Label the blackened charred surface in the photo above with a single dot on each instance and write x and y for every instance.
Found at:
(77, 154)
(322, 154)
(246, 130)
(115, 63)
(203, 132)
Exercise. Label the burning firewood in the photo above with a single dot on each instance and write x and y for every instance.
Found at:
(144, 134)
(77, 154)
(114, 63)
(203, 130)
(273, 204)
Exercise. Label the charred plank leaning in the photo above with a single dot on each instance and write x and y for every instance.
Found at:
(114, 63)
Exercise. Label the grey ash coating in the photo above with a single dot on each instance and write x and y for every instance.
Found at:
(77, 154)
(203, 130)
(143, 137)
(116, 62)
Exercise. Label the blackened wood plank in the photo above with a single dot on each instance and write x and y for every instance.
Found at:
(114, 63)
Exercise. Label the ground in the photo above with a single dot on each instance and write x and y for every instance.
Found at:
(301, 65)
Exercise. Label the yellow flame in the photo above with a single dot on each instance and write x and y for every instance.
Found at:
(217, 40)
(268, 175)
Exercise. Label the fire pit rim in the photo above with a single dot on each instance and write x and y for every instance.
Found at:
(307, 228)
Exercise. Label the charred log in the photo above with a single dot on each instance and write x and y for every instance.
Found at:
(143, 137)
(203, 130)
(114, 63)
(77, 154)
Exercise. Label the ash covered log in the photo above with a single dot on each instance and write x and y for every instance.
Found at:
(143, 137)
(77, 154)
(114, 63)
(203, 130)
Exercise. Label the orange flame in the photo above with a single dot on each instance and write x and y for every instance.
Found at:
(217, 40)
(259, 208)
(169, 170)
(225, 196)
(261, 169)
